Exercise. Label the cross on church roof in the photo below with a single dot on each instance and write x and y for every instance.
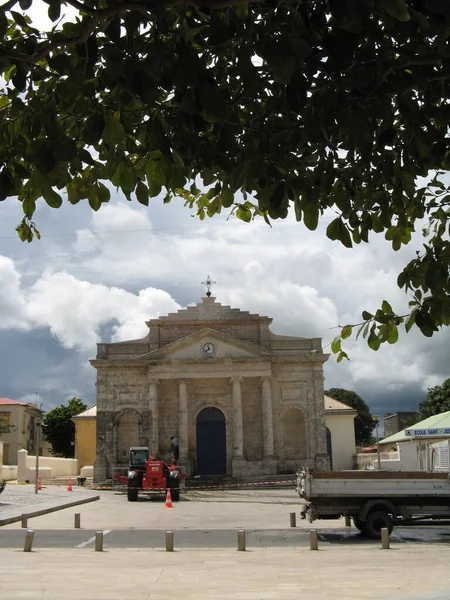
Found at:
(208, 284)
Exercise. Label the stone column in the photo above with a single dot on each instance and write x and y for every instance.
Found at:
(238, 427)
(153, 406)
(183, 429)
(267, 416)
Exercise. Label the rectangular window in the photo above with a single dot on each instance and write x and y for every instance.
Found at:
(5, 417)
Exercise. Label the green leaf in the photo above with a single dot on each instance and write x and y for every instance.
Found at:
(29, 206)
(113, 132)
(341, 356)
(52, 198)
(241, 9)
(54, 10)
(154, 189)
(142, 193)
(411, 321)
(337, 230)
(244, 214)
(336, 345)
(94, 198)
(311, 215)
(367, 316)
(346, 332)
(127, 179)
(103, 193)
(386, 307)
(3, 24)
(393, 337)
(19, 19)
(374, 342)
(397, 9)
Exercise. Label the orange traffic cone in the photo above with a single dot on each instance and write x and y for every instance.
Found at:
(69, 487)
(168, 503)
(39, 484)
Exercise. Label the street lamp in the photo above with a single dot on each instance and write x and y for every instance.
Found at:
(37, 424)
(377, 420)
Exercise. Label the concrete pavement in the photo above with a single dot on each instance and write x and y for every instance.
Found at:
(277, 565)
(18, 500)
(261, 574)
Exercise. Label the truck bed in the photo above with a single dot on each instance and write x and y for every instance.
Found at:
(341, 484)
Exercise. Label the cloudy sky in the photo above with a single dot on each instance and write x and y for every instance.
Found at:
(98, 276)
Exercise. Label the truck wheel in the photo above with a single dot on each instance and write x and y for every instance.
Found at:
(375, 522)
(132, 494)
(358, 523)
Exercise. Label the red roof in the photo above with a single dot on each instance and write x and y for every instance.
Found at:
(6, 401)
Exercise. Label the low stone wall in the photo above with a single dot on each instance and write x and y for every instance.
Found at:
(365, 460)
(49, 467)
(8, 472)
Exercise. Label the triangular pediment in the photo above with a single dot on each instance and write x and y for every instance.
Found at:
(207, 344)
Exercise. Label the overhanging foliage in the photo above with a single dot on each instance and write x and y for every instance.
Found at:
(303, 105)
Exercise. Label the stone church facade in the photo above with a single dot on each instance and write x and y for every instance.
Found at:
(242, 400)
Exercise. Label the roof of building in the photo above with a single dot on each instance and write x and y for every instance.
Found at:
(8, 401)
(332, 404)
(86, 414)
(434, 426)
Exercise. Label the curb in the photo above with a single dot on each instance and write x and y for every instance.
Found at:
(44, 511)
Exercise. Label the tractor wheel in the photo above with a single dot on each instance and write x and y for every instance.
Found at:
(375, 522)
(132, 494)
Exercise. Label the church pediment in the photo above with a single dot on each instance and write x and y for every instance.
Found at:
(207, 344)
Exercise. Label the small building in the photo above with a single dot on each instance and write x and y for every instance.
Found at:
(22, 419)
(340, 428)
(339, 423)
(85, 436)
(395, 422)
(415, 447)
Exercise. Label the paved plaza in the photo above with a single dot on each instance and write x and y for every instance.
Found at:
(278, 563)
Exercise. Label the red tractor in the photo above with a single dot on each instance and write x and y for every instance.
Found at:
(148, 475)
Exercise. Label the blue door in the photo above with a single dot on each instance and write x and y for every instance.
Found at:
(211, 442)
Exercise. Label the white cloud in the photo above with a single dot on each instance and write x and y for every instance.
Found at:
(75, 310)
(307, 283)
(12, 304)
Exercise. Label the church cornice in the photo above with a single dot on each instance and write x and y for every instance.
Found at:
(279, 360)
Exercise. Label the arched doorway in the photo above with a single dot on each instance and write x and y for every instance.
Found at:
(329, 448)
(211, 442)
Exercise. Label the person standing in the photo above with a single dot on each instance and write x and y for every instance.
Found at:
(175, 448)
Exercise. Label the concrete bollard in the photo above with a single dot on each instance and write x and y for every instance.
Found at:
(99, 541)
(29, 536)
(24, 522)
(313, 540)
(385, 538)
(293, 520)
(77, 521)
(241, 541)
(169, 541)
(348, 522)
